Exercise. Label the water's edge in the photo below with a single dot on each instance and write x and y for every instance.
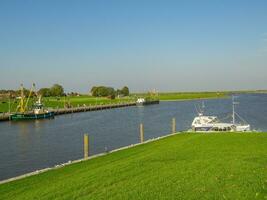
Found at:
(83, 159)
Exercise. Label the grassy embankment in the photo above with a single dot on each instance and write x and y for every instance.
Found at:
(59, 102)
(191, 95)
(184, 166)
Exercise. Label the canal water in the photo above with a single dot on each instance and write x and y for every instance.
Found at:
(31, 145)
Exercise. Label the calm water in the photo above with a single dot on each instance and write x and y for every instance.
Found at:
(28, 146)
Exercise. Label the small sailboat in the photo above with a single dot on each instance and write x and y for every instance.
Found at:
(37, 112)
(204, 123)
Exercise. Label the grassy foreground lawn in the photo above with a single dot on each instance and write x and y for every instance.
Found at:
(185, 166)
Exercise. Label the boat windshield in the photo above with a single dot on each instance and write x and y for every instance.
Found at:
(38, 106)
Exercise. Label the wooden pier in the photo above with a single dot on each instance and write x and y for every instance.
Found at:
(4, 116)
(61, 111)
(91, 108)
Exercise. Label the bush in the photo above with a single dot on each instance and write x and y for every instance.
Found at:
(102, 91)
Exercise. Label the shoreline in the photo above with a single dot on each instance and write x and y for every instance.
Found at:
(63, 111)
(58, 166)
(226, 97)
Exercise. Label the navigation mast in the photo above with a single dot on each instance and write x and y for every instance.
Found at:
(21, 106)
(234, 103)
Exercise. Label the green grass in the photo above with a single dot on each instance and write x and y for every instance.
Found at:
(184, 166)
(83, 100)
(191, 95)
(55, 102)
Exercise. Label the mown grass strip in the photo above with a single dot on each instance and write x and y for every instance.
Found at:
(184, 166)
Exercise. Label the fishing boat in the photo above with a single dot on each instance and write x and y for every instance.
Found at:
(145, 101)
(140, 101)
(37, 112)
(204, 123)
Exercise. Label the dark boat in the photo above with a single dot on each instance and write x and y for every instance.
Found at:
(144, 102)
(31, 116)
(38, 111)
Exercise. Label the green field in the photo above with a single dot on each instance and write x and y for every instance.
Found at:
(191, 95)
(60, 102)
(184, 166)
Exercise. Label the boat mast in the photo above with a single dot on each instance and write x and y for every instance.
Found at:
(9, 103)
(233, 115)
(203, 107)
(21, 98)
(234, 103)
(30, 94)
(23, 105)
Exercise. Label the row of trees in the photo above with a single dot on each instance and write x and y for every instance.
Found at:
(124, 91)
(103, 91)
(13, 93)
(56, 90)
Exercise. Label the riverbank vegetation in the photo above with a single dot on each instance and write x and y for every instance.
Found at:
(97, 97)
(183, 166)
(54, 97)
(111, 93)
(86, 100)
(65, 101)
(55, 91)
(191, 95)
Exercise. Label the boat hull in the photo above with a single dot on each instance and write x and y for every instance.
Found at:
(31, 116)
(147, 103)
(225, 128)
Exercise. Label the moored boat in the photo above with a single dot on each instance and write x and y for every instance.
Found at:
(203, 123)
(38, 111)
(144, 101)
(31, 116)
(140, 101)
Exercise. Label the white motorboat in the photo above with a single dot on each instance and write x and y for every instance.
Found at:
(204, 123)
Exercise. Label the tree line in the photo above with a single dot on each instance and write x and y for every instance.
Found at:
(57, 90)
(104, 91)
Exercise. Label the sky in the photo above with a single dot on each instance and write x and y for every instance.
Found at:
(164, 45)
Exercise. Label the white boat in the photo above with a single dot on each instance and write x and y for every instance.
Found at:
(140, 101)
(204, 123)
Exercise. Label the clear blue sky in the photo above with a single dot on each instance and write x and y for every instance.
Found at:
(166, 45)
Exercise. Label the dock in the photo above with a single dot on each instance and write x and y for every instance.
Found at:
(4, 116)
(62, 111)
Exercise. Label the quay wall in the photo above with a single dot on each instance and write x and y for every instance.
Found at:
(61, 111)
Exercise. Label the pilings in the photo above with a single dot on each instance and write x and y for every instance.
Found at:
(85, 146)
(141, 137)
(173, 125)
(88, 155)
(82, 160)
(141, 133)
